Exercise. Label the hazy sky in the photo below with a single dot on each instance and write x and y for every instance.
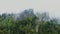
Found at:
(51, 6)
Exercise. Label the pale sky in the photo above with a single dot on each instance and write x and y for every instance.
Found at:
(51, 6)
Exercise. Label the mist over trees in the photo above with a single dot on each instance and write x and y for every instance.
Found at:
(28, 23)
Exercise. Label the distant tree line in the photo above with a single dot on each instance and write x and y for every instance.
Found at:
(28, 23)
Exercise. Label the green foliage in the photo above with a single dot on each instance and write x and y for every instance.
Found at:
(48, 28)
(28, 26)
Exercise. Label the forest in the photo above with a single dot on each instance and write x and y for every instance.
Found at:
(28, 23)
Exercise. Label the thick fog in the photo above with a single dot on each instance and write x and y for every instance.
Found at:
(16, 6)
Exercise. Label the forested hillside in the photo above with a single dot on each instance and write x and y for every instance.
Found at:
(28, 23)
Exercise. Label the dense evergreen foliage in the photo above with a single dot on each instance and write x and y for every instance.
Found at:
(28, 26)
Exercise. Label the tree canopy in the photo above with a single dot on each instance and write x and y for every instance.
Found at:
(28, 25)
